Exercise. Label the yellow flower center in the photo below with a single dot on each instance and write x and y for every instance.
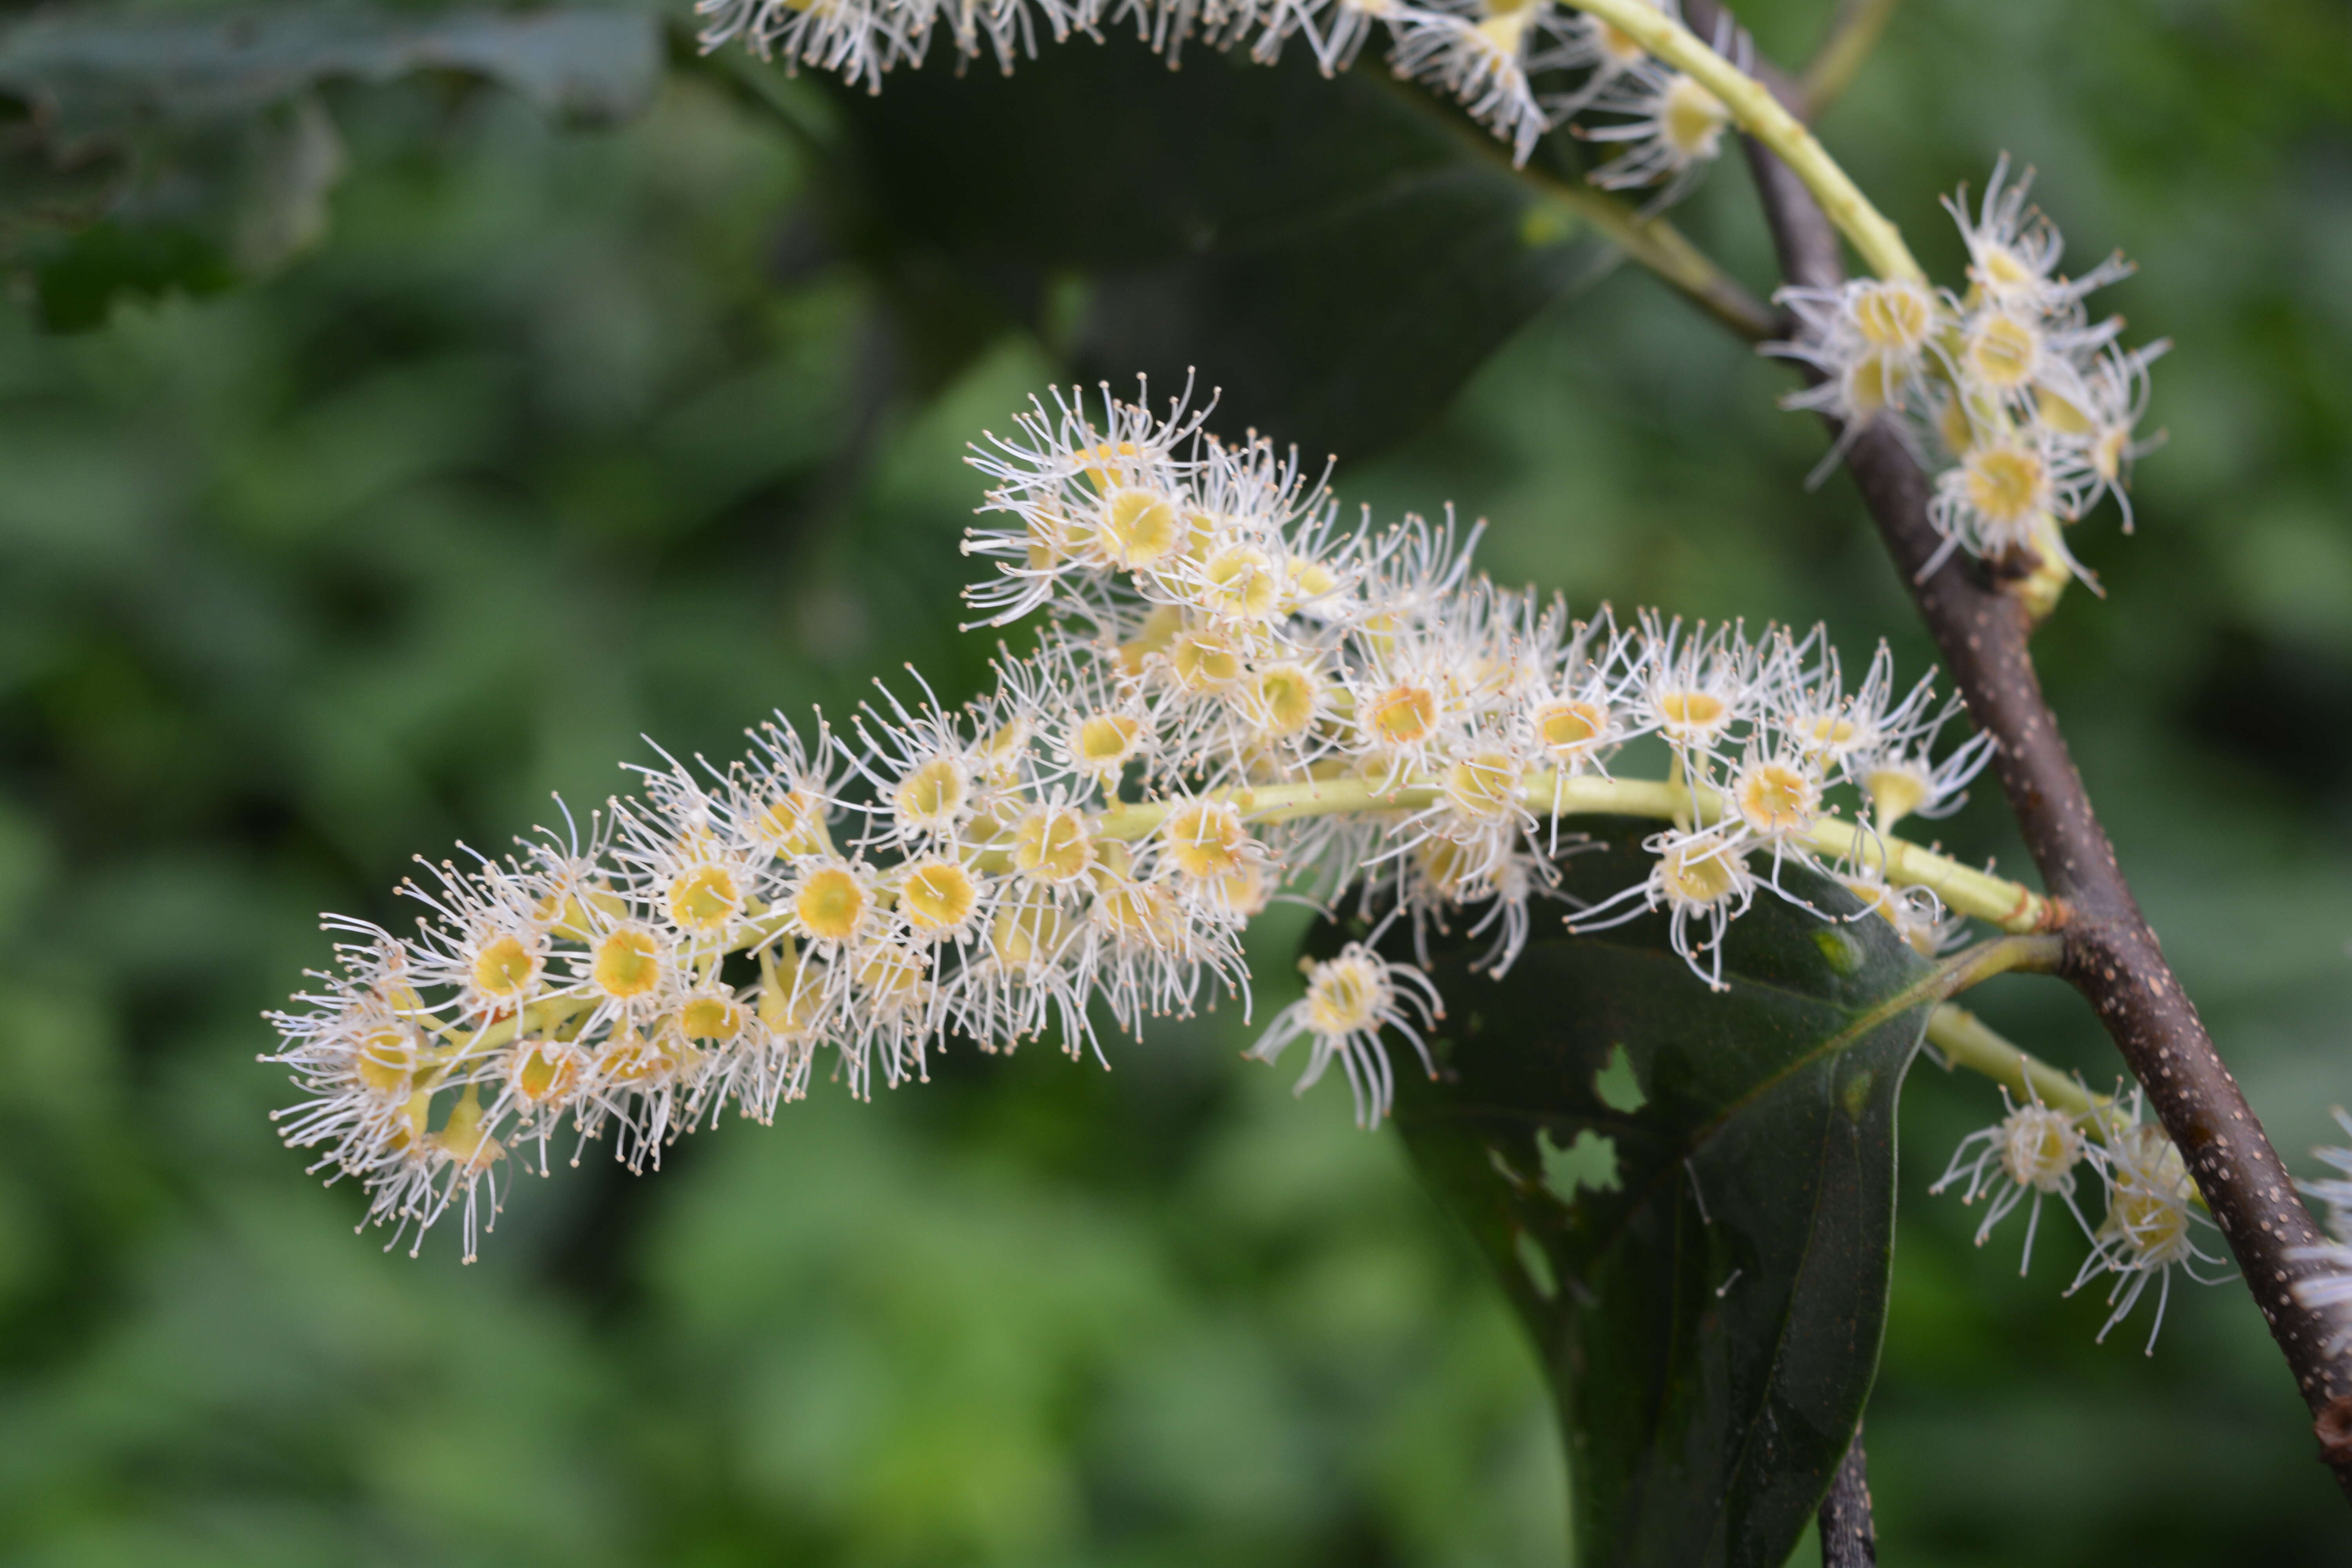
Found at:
(630, 1057)
(1893, 316)
(1953, 424)
(1287, 695)
(1241, 582)
(2057, 414)
(789, 825)
(830, 905)
(937, 897)
(1777, 798)
(1101, 459)
(1139, 528)
(2000, 267)
(1896, 793)
(385, 1058)
(1048, 529)
(1569, 729)
(704, 899)
(543, 1070)
(792, 996)
(1105, 741)
(1828, 731)
(2003, 351)
(2039, 1146)
(1483, 784)
(2107, 453)
(933, 793)
(710, 1016)
(2005, 483)
(1692, 120)
(504, 967)
(1504, 31)
(627, 964)
(1691, 710)
(1247, 890)
(1205, 838)
(1404, 715)
(466, 1139)
(1345, 996)
(1447, 865)
(1700, 877)
(1204, 661)
(1051, 844)
(1310, 580)
(1135, 911)
(1869, 386)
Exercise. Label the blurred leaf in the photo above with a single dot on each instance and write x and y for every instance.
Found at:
(1705, 1266)
(203, 144)
(297, 157)
(1299, 241)
(79, 281)
(91, 72)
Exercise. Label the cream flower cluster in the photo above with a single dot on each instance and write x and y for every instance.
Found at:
(1234, 695)
(2030, 407)
(1520, 68)
(2151, 1224)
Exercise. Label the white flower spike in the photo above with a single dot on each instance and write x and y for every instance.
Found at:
(1235, 698)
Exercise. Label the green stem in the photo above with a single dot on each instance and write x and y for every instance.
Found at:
(1665, 250)
(2041, 953)
(1758, 112)
(1964, 1041)
(1963, 889)
(1652, 242)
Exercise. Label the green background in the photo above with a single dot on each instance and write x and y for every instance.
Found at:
(564, 438)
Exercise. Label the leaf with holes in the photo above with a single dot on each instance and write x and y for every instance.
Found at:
(1689, 1197)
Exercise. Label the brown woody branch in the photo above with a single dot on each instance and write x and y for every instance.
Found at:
(1848, 1539)
(2111, 954)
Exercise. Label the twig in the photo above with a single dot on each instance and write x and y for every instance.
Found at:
(2111, 954)
(1854, 34)
(2041, 953)
(1651, 241)
(1966, 1042)
(1849, 1539)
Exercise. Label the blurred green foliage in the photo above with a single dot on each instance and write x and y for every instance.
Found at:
(562, 437)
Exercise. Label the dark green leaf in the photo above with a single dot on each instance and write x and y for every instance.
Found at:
(1337, 256)
(202, 143)
(78, 283)
(97, 73)
(1689, 1197)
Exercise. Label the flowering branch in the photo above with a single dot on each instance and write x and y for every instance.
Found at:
(2111, 954)
(1234, 695)
(1762, 116)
